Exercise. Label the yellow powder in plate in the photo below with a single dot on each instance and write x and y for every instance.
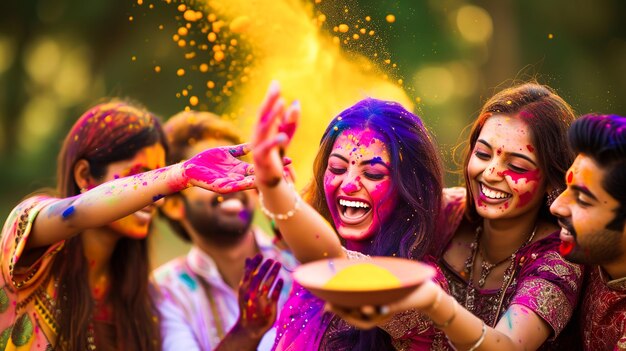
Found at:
(363, 277)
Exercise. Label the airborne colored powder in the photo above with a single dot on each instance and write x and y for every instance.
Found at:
(363, 277)
(315, 56)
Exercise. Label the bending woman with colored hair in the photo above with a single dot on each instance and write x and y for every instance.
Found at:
(510, 288)
(377, 179)
(75, 269)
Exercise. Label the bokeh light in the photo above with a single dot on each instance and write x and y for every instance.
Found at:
(435, 84)
(40, 117)
(7, 52)
(474, 24)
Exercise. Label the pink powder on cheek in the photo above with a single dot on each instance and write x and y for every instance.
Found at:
(328, 178)
(381, 192)
(531, 176)
(329, 189)
(478, 201)
(525, 198)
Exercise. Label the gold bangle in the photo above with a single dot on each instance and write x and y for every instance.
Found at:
(480, 340)
(281, 216)
(455, 307)
(433, 306)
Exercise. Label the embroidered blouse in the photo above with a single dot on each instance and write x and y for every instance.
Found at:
(543, 281)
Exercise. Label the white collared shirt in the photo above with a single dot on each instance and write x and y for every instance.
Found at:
(188, 321)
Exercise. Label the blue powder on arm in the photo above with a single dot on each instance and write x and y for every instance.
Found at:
(68, 212)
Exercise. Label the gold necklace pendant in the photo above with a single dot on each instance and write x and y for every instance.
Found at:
(485, 269)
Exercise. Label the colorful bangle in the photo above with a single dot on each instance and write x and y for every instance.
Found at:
(281, 216)
(455, 307)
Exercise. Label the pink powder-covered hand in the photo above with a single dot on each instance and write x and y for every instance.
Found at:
(272, 135)
(259, 291)
(218, 170)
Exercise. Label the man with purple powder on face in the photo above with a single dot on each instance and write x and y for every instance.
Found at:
(592, 214)
(200, 291)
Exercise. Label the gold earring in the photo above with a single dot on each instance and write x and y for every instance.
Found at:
(552, 195)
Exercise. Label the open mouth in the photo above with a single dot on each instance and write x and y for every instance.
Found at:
(493, 194)
(145, 214)
(230, 204)
(568, 238)
(353, 211)
(567, 233)
(567, 242)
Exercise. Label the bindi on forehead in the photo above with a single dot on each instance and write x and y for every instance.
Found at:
(570, 177)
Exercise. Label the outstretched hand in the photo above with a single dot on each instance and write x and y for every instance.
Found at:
(259, 291)
(219, 170)
(272, 135)
(367, 317)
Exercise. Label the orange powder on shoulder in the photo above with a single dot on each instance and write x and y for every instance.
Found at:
(363, 277)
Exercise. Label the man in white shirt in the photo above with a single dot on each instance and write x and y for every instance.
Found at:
(199, 304)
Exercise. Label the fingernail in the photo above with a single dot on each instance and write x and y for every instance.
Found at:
(274, 86)
(281, 138)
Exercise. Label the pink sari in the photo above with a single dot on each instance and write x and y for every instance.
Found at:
(304, 325)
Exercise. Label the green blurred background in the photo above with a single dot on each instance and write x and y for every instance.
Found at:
(58, 57)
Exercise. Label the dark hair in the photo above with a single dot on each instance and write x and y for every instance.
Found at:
(547, 116)
(109, 132)
(603, 138)
(185, 129)
(416, 174)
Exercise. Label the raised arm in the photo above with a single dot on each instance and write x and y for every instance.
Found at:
(306, 232)
(215, 169)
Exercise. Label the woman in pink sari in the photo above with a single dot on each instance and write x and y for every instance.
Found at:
(377, 179)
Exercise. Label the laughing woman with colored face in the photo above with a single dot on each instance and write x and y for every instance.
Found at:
(75, 267)
(510, 287)
(377, 179)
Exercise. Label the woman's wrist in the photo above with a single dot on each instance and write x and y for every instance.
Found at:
(436, 302)
(476, 344)
(282, 215)
(177, 178)
(443, 310)
(446, 323)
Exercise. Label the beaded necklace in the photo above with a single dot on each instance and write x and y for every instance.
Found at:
(486, 267)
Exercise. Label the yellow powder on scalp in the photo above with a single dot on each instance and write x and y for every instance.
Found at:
(361, 277)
